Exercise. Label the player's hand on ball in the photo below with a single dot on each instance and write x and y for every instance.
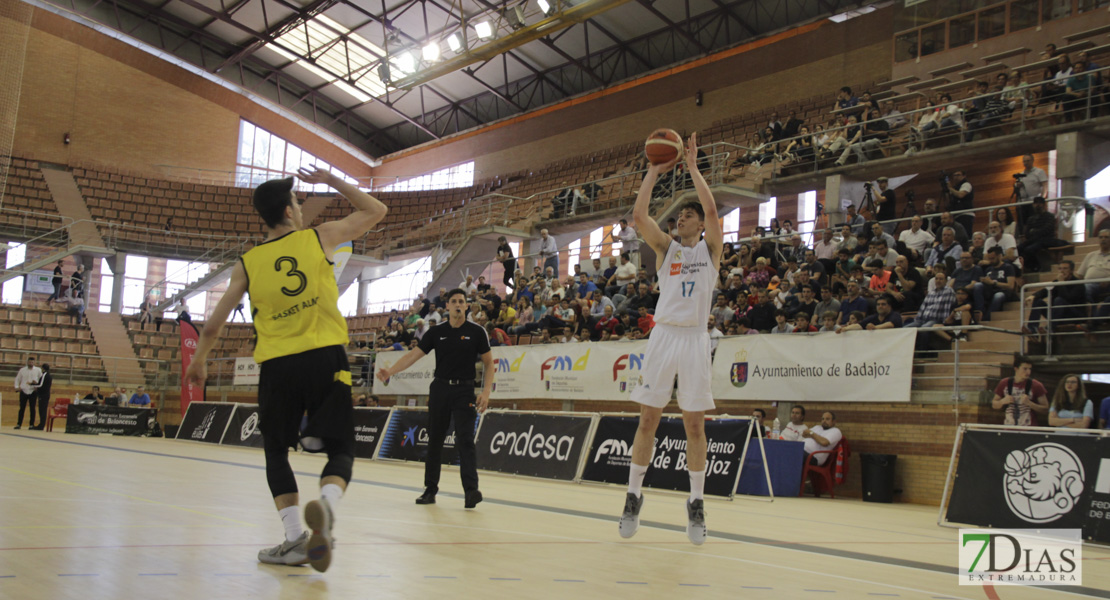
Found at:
(314, 175)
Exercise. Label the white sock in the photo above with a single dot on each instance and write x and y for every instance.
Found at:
(291, 519)
(697, 485)
(636, 478)
(332, 493)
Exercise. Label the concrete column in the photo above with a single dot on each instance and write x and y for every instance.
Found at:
(833, 184)
(363, 293)
(1079, 156)
(118, 265)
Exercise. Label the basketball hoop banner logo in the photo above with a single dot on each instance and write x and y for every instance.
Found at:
(1021, 557)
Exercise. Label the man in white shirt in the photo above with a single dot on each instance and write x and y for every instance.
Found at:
(823, 437)
(998, 238)
(795, 428)
(26, 381)
(629, 242)
(624, 275)
(916, 239)
(825, 248)
(1035, 182)
(715, 334)
(1096, 265)
(468, 286)
(549, 252)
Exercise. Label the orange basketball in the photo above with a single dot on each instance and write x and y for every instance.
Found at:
(662, 146)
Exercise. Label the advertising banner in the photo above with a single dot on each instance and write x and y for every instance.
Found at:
(246, 371)
(205, 421)
(599, 371)
(413, 381)
(370, 424)
(611, 452)
(116, 420)
(855, 366)
(242, 430)
(532, 444)
(407, 438)
(1016, 479)
(189, 392)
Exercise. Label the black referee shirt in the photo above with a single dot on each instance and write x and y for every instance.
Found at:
(457, 348)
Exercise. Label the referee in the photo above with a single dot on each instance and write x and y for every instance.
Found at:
(300, 350)
(458, 344)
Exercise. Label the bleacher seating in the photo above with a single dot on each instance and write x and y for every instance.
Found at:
(46, 332)
(25, 191)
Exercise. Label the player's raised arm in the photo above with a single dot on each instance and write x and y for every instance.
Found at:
(369, 211)
(714, 233)
(648, 228)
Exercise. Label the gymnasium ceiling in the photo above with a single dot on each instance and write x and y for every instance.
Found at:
(323, 58)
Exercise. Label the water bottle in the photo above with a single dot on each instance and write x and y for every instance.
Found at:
(775, 429)
(76, 398)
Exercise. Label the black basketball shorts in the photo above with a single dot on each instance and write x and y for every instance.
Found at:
(317, 383)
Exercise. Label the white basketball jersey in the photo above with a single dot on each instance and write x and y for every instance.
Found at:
(686, 284)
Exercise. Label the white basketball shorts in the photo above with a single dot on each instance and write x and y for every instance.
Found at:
(677, 351)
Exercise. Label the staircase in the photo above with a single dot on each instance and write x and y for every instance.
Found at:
(67, 196)
(112, 343)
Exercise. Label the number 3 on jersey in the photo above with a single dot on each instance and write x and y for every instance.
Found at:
(688, 288)
(293, 272)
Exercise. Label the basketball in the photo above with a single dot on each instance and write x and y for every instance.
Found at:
(663, 146)
(1017, 462)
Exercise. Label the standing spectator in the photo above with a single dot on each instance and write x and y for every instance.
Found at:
(1023, 398)
(43, 393)
(1070, 406)
(77, 281)
(1034, 183)
(1040, 233)
(549, 252)
(886, 199)
(56, 281)
(508, 261)
(630, 243)
(26, 381)
(139, 398)
(183, 312)
(961, 196)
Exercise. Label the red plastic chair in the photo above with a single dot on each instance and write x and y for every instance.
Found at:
(60, 410)
(823, 476)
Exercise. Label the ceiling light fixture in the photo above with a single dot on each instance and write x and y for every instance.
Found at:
(484, 30)
(515, 17)
(431, 52)
(453, 42)
(406, 63)
(545, 7)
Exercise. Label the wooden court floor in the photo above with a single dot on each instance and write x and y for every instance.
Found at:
(91, 518)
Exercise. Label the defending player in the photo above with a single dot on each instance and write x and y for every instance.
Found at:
(300, 351)
(679, 343)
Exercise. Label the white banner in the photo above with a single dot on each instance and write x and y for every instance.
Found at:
(246, 371)
(413, 381)
(594, 371)
(856, 366)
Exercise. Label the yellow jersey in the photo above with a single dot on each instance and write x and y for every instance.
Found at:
(293, 295)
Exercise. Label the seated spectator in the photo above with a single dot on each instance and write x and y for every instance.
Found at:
(880, 234)
(1003, 240)
(74, 306)
(794, 430)
(715, 334)
(894, 118)
(793, 125)
(1078, 87)
(988, 109)
(845, 99)
(978, 252)
(467, 286)
(1096, 265)
(801, 323)
(497, 336)
(853, 220)
(828, 322)
(139, 398)
(622, 276)
(646, 322)
(744, 327)
(828, 303)
(906, 286)
(946, 252)
(916, 239)
(1067, 302)
(927, 123)
(853, 303)
(93, 397)
(879, 280)
(854, 320)
(758, 429)
(781, 324)
(963, 237)
(822, 437)
(998, 283)
(608, 322)
(482, 285)
(1022, 398)
(884, 317)
(1039, 233)
(722, 312)
(935, 308)
(116, 398)
(1070, 406)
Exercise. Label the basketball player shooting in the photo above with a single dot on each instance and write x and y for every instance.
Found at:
(301, 353)
(679, 343)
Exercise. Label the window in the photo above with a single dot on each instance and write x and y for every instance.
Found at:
(348, 302)
(807, 213)
(264, 156)
(992, 22)
(767, 211)
(732, 225)
(400, 288)
(106, 281)
(181, 273)
(573, 250)
(451, 177)
(12, 292)
(134, 284)
(596, 236)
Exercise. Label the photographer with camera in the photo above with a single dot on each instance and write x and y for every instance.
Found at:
(961, 196)
(885, 200)
(1030, 183)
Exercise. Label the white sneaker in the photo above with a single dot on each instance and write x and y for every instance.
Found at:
(318, 517)
(695, 522)
(286, 553)
(630, 518)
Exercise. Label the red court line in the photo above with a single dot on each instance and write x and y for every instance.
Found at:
(484, 543)
(989, 591)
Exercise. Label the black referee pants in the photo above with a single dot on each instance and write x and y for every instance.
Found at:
(447, 403)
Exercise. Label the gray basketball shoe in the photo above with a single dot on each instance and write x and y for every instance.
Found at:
(695, 522)
(318, 517)
(286, 553)
(630, 518)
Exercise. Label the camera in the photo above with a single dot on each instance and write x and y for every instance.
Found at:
(867, 185)
(943, 177)
(1019, 175)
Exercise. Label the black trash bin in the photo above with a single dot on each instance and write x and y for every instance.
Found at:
(878, 477)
